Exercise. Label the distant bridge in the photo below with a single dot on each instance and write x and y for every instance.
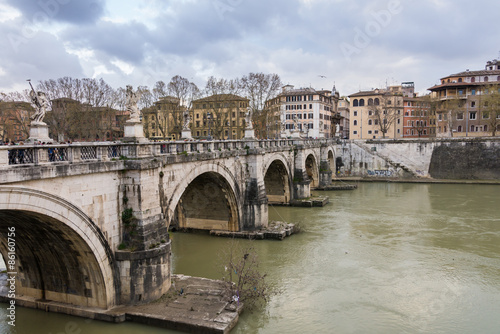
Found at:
(92, 219)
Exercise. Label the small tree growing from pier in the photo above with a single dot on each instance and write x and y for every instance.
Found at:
(246, 283)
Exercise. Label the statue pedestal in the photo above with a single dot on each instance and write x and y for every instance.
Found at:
(134, 132)
(249, 133)
(39, 132)
(296, 134)
(186, 134)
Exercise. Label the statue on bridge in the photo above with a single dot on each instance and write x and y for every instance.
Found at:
(131, 104)
(41, 103)
(248, 119)
(187, 120)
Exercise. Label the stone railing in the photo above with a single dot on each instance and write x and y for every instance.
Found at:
(13, 155)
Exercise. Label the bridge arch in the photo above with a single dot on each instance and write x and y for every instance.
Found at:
(331, 159)
(312, 167)
(61, 255)
(277, 179)
(207, 198)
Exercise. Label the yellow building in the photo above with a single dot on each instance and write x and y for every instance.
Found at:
(377, 113)
(220, 116)
(468, 103)
(164, 120)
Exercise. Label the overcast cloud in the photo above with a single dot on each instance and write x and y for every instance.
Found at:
(356, 44)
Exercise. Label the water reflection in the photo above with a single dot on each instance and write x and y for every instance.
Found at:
(386, 258)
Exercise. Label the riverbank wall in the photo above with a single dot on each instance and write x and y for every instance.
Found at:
(460, 158)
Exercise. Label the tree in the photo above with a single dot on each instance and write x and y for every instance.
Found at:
(259, 88)
(490, 107)
(452, 109)
(385, 113)
(246, 283)
(222, 95)
(421, 111)
(14, 119)
(83, 108)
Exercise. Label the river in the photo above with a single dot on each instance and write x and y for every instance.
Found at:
(385, 258)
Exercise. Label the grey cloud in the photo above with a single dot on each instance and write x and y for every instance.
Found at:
(40, 57)
(70, 11)
(123, 41)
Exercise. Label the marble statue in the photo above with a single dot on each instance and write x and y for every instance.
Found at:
(248, 119)
(41, 103)
(131, 104)
(295, 123)
(337, 129)
(187, 120)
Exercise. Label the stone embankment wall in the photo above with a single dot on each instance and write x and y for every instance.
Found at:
(477, 158)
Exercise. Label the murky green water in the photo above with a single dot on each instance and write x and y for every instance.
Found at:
(386, 258)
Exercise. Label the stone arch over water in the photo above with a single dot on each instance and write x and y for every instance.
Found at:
(277, 181)
(312, 170)
(61, 255)
(208, 198)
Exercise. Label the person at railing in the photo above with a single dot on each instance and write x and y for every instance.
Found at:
(52, 156)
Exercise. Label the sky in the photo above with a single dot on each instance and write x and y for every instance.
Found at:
(352, 44)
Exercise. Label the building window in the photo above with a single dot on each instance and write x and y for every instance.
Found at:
(370, 102)
(310, 106)
(472, 128)
(473, 92)
(399, 121)
(355, 132)
(355, 113)
(377, 102)
(459, 79)
(473, 79)
(486, 115)
(361, 102)
(472, 115)
(459, 128)
(472, 104)
(460, 115)
(376, 131)
(399, 130)
(485, 79)
(355, 123)
(370, 112)
(311, 116)
(485, 128)
(355, 103)
(369, 132)
(370, 122)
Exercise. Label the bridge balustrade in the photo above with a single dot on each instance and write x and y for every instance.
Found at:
(37, 154)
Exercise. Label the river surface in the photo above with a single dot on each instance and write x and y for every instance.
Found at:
(385, 258)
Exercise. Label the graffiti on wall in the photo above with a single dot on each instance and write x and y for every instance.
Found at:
(381, 172)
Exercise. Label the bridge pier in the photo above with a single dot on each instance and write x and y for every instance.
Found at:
(143, 257)
(301, 181)
(325, 168)
(255, 214)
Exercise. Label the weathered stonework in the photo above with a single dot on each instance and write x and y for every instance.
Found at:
(105, 209)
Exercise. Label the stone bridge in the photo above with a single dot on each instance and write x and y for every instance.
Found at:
(92, 219)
